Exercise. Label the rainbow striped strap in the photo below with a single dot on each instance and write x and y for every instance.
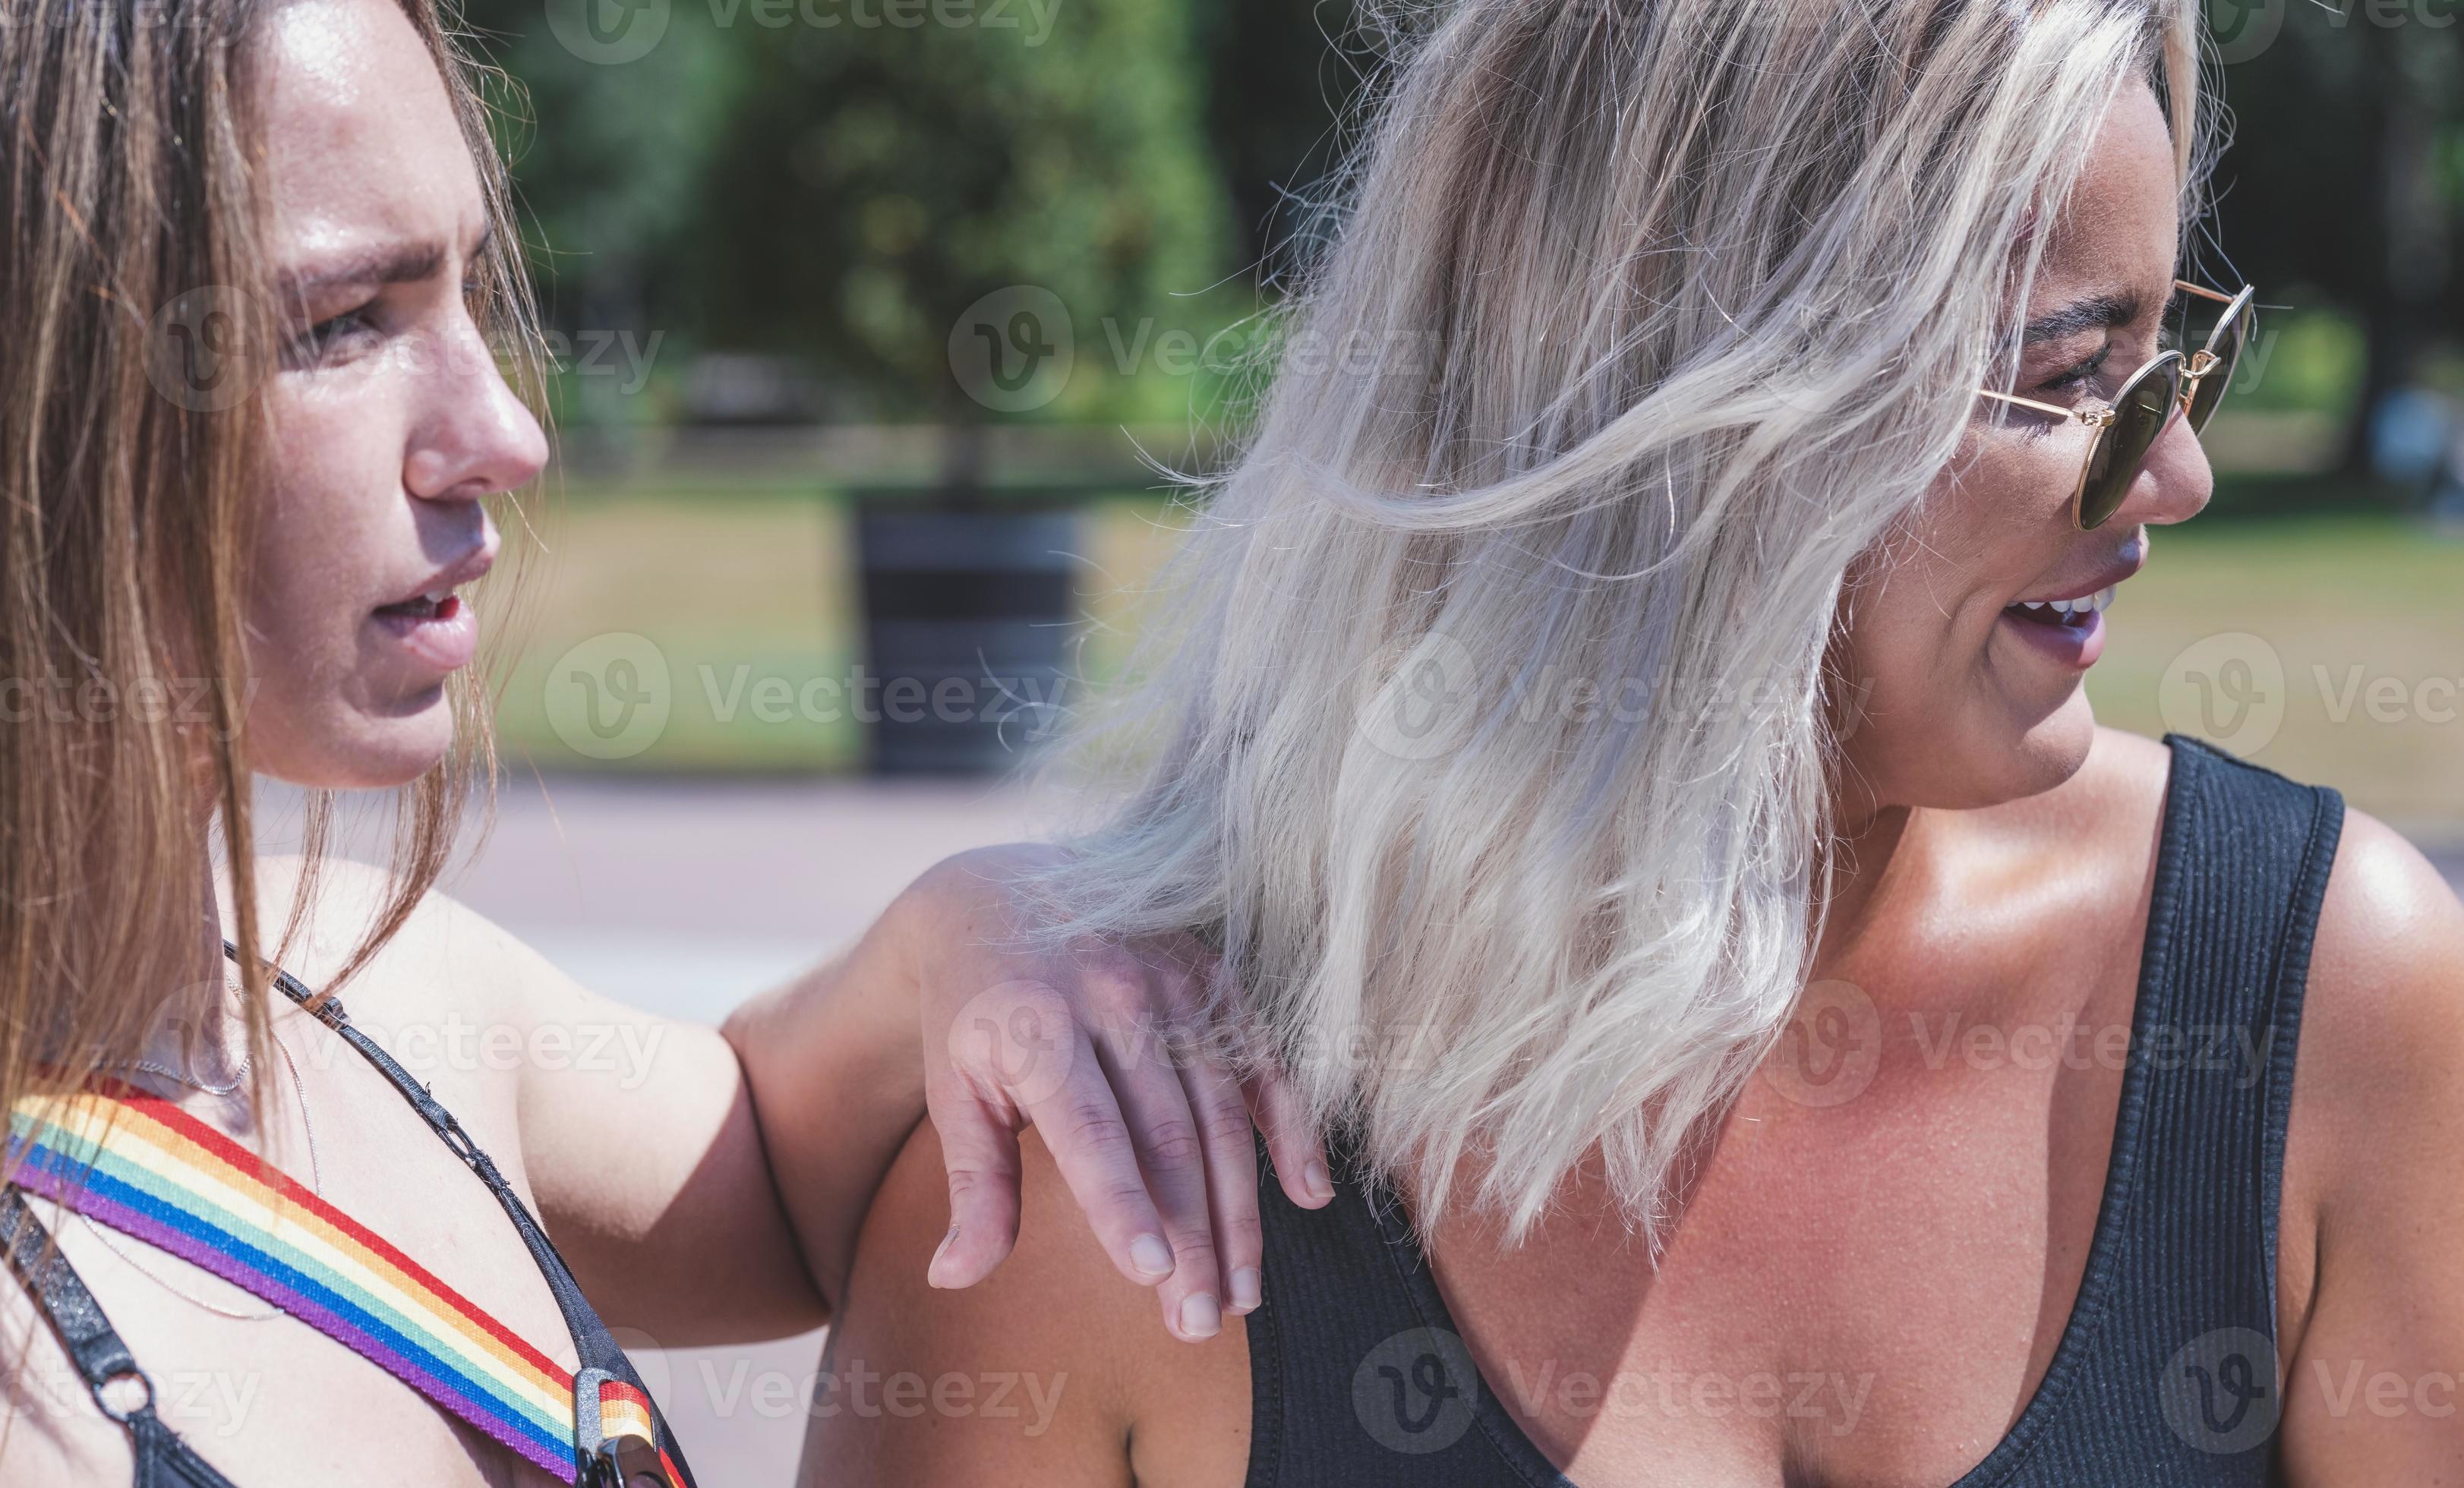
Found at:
(131, 1160)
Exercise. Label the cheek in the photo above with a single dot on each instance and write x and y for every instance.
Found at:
(333, 492)
(1922, 608)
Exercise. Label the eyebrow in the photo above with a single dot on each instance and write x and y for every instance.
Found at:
(2095, 313)
(392, 263)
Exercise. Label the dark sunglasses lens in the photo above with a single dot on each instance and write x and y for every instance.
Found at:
(2227, 347)
(2138, 418)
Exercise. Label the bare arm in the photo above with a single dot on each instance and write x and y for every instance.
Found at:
(764, 1146)
(1046, 1373)
(2374, 1383)
(1157, 1148)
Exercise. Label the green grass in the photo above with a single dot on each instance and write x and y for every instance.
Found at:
(737, 589)
(2362, 611)
(2356, 646)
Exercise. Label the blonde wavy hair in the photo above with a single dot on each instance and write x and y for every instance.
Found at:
(1481, 719)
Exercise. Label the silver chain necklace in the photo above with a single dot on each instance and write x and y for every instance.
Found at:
(316, 1177)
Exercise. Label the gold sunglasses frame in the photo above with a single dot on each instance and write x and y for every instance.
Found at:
(2195, 370)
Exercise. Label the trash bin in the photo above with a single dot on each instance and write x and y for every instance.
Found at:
(969, 605)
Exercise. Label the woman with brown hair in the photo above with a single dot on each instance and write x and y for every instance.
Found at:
(258, 270)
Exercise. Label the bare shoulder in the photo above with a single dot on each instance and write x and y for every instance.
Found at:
(2373, 1232)
(2383, 1024)
(1052, 1371)
(444, 954)
(459, 1002)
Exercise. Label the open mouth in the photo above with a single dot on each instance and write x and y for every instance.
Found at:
(2062, 614)
(442, 604)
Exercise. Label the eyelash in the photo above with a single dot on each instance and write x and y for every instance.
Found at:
(2077, 376)
(319, 341)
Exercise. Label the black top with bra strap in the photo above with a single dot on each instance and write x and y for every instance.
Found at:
(602, 1458)
(2166, 1374)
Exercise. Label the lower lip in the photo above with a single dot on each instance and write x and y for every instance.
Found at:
(445, 640)
(2075, 646)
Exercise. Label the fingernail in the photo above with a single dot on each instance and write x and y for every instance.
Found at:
(1150, 1255)
(1245, 1289)
(1199, 1317)
(1316, 1180)
(932, 1272)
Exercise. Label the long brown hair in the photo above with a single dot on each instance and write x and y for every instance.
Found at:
(134, 288)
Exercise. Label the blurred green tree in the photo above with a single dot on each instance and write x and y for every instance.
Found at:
(842, 181)
(2343, 187)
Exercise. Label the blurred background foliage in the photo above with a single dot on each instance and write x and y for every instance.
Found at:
(824, 184)
(788, 207)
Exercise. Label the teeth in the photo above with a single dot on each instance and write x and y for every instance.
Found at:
(2094, 603)
(438, 596)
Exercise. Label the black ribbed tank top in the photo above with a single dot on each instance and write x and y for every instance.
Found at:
(2164, 1376)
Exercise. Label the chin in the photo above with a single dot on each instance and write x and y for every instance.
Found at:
(357, 751)
(2053, 748)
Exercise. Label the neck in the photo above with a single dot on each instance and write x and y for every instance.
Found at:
(1864, 847)
(199, 1029)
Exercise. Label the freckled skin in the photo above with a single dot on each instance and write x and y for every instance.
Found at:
(385, 445)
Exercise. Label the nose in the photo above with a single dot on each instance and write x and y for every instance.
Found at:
(473, 437)
(2174, 483)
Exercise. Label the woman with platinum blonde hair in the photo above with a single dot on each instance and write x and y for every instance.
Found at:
(1626, 735)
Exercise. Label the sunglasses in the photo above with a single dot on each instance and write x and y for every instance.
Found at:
(2128, 427)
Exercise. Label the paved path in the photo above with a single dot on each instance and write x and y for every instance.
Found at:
(686, 897)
